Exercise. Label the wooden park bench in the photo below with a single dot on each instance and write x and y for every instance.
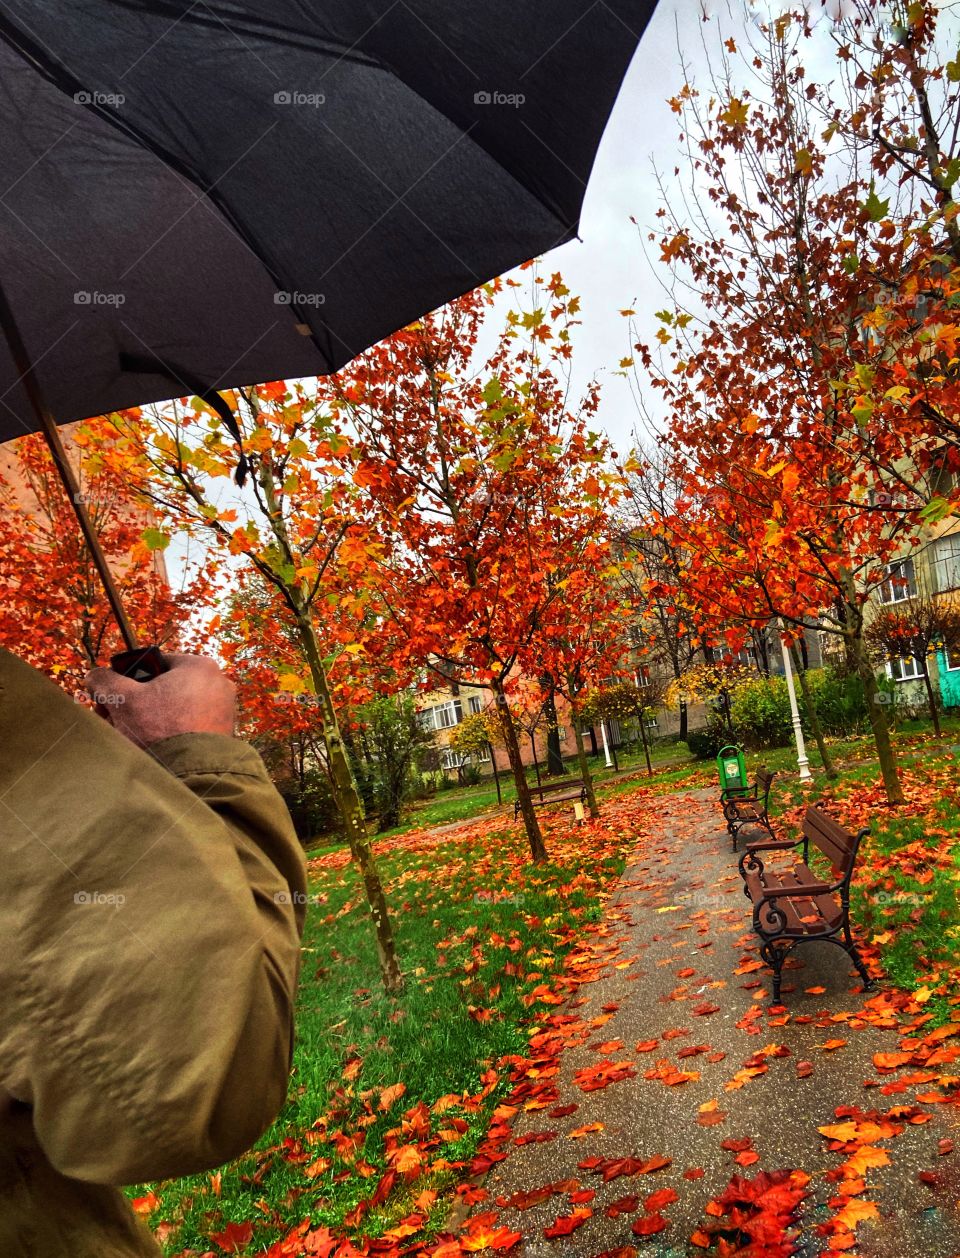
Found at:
(792, 905)
(748, 806)
(548, 793)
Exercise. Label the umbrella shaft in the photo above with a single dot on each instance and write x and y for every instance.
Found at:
(31, 387)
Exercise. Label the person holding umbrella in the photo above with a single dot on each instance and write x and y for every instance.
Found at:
(154, 896)
(194, 198)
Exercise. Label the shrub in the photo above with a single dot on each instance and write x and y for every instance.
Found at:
(312, 806)
(840, 701)
(761, 713)
(705, 743)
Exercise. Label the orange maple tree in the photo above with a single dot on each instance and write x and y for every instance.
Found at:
(294, 516)
(798, 488)
(490, 498)
(53, 612)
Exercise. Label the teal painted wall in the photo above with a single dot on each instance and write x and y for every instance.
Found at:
(949, 682)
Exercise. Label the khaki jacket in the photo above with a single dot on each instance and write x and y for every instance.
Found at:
(151, 907)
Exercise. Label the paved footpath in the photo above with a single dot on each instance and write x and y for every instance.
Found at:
(679, 991)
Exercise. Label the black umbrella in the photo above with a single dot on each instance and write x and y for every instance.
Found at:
(205, 194)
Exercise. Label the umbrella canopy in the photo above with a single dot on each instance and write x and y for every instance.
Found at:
(203, 195)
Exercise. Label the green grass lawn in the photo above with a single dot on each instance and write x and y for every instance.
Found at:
(477, 928)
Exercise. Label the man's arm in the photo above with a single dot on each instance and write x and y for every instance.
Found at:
(152, 906)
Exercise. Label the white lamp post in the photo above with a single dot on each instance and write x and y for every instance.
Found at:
(606, 748)
(802, 762)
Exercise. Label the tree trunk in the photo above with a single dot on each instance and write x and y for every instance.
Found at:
(555, 765)
(533, 749)
(582, 761)
(646, 749)
(886, 756)
(496, 771)
(594, 749)
(800, 668)
(931, 698)
(538, 851)
(351, 810)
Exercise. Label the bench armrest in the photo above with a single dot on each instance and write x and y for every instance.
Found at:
(738, 792)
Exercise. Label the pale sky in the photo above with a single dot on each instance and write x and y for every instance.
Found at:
(607, 265)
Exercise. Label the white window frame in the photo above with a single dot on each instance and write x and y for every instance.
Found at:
(945, 562)
(904, 661)
(651, 722)
(951, 668)
(439, 715)
(474, 704)
(450, 758)
(900, 582)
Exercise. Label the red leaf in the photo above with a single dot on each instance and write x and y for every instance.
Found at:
(233, 1237)
(657, 1200)
(649, 1225)
(567, 1223)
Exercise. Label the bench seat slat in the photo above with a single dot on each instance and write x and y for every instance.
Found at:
(827, 908)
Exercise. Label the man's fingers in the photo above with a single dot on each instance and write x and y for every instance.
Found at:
(104, 681)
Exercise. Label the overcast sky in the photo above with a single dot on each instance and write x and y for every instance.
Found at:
(607, 265)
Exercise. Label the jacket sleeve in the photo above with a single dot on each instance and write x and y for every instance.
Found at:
(149, 939)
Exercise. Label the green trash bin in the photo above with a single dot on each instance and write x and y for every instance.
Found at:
(732, 769)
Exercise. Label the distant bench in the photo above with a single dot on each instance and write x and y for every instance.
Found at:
(548, 793)
(747, 806)
(792, 905)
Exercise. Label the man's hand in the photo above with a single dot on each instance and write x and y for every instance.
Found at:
(192, 697)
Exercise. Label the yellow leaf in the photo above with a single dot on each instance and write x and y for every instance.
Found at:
(735, 114)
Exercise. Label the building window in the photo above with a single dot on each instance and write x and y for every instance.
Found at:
(650, 722)
(483, 755)
(900, 583)
(473, 704)
(952, 656)
(442, 715)
(450, 759)
(904, 668)
(945, 554)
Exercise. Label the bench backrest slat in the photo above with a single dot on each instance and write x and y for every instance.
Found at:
(836, 843)
(568, 785)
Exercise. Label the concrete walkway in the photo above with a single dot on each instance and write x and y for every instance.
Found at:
(667, 1001)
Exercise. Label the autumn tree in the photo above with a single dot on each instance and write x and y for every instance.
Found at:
(914, 629)
(297, 523)
(489, 494)
(767, 357)
(654, 567)
(628, 701)
(53, 612)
